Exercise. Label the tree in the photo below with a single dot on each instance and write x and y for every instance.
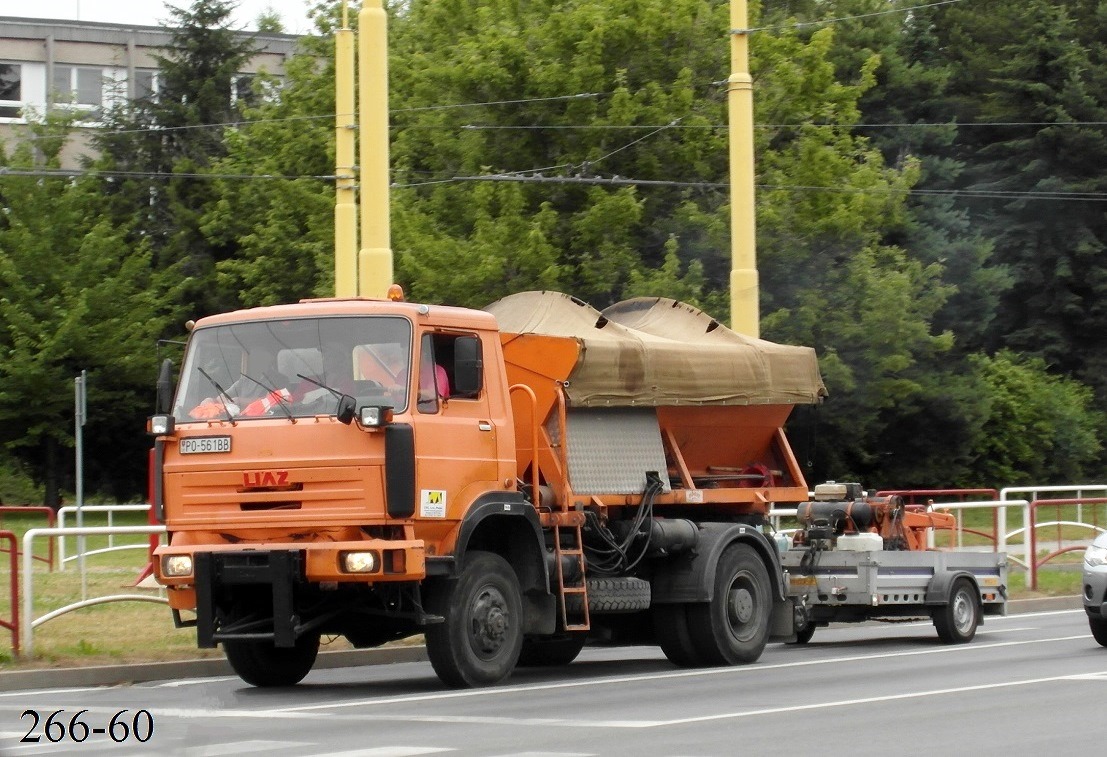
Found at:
(76, 296)
(1028, 81)
(1040, 428)
(170, 140)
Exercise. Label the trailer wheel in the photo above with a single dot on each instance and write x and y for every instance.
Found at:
(733, 627)
(259, 663)
(670, 628)
(957, 621)
(479, 642)
(804, 634)
(551, 651)
(1099, 630)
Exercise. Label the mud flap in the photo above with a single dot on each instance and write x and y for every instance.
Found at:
(782, 627)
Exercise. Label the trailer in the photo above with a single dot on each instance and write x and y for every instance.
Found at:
(857, 558)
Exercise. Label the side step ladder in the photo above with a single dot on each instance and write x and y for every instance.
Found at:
(579, 588)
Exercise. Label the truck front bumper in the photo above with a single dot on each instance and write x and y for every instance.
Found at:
(281, 571)
(319, 563)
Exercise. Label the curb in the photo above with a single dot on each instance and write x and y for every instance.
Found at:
(114, 675)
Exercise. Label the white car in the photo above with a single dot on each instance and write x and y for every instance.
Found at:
(1095, 587)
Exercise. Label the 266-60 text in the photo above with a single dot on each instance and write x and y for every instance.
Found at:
(57, 727)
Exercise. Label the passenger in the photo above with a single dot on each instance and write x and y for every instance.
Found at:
(438, 385)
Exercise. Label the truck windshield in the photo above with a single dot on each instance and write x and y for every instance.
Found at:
(294, 368)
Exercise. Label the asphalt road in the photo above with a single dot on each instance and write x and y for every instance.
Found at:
(1029, 684)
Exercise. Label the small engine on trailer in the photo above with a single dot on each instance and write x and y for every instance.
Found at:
(841, 516)
(855, 558)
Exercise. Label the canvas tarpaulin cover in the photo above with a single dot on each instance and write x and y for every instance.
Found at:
(659, 352)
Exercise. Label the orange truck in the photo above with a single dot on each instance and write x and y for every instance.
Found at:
(510, 483)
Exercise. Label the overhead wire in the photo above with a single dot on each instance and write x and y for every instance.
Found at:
(805, 24)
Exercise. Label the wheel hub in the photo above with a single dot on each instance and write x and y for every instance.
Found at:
(489, 622)
(740, 605)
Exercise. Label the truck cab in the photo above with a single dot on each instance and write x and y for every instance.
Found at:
(324, 455)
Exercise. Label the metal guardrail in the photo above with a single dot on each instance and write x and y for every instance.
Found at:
(112, 547)
(13, 624)
(29, 622)
(50, 522)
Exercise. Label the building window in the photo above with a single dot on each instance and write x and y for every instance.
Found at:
(146, 84)
(11, 90)
(242, 91)
(81, 87)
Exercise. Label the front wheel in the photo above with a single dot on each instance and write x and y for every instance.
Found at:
(956, 622)
(259, 663)
(733, 628)
(1099, 630)
(480, 639)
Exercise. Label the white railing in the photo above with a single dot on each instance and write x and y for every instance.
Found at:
(112, 547)
(1076, 492)
(28, 622)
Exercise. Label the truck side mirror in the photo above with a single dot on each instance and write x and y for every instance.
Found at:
(165, 387)
(468, 367)
(347, 409)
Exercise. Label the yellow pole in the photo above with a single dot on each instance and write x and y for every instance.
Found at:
(345, 196)
(375, 258)
(744, 294)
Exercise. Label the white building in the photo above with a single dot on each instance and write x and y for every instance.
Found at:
(87, 66)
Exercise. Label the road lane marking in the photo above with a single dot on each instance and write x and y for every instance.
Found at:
(241, 747)
(737, 670)
(391, 751)
(313, 712)
(868, 700)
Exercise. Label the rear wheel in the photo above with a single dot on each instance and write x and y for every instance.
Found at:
(1099, 630)
(733, 628)
(259, 663)
(551, 650)
(479, 642)
(670, 627)
(957, 621)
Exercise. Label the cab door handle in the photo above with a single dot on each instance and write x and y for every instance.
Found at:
(484, 425)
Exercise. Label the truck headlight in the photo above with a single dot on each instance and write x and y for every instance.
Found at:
(372, 416)
(359, 562)
(1095, 556)
(161, 425)
(176, 566)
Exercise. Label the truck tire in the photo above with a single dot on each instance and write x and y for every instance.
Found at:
(957, 620)
(1099, 630)
(670, 629)
(733, 628)
(478, 643)
(259, 663)
(550, 651)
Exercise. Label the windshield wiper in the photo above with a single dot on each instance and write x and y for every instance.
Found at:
(346, 406)
(221, 390)
(281, 402)
(321, 385)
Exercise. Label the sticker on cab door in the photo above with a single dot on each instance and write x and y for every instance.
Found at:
(432, 503)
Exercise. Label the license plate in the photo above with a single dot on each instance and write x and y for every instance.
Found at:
(196, 445)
